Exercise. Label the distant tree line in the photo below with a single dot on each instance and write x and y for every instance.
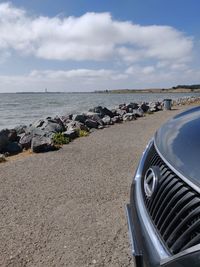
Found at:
(193, 86)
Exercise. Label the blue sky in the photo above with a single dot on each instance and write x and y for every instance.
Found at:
(87, 45)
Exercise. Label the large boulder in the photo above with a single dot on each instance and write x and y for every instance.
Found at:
(133, 105)
(13, 148)
(128, 117)
(144, 106)
(91, 124)
(41, 144)
(49, 125)
(107, 120)
(4, 140)
(79, 117)
(20, 129)
(12, 136)
(25, 140)
(71, 134)
(75, 125)
(102, 111)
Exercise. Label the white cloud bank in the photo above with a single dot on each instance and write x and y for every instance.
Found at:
(144, 56)
(93, 36)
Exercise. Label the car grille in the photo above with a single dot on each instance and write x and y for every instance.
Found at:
(174, 208)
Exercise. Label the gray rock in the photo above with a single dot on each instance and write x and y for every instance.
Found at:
(128, 117)
(91, 123)
(13, 148)
(121, 112)
(72, 134)
(20, 129)
(41, 144)
(4, 140)
(133, 106)
(12, 136)
(75, 125)
(25, 140)
(102, 111)
(138, 112)
(79, 117)
(49, 125)
(117, 119)
(107, 120)
(144, 107)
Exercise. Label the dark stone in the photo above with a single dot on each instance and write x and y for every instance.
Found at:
(144, 107)
(25, 140)
(4, 140)
(107, 120)
(128, 117)
(20, 129)
(102, 111)
(12, 136)
(108, 112)
(117, 119)
(79, 117)
(133, 106)
(75, 125)
(41, 144)
(13, 148)
(91, 123)
(138, 112)
(72, 134)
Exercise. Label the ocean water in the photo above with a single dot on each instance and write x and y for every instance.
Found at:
(16, 109)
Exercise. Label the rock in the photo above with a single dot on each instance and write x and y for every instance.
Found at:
(96, 117)
(25, 140)
(79, 117)
(138, 112)
(20, 129)
(102, 111)
(72, 134)
(128, 117)
(108, 112)
(121, 112)
(41, 144)
(117, 119)
(49, 125)
(4, 140)
(12, 136)
(133, 106)
(107, 120)
(91, 124)
(13, 148)
(2, 158)
(100, 127)
(75, 125)
(144, 107)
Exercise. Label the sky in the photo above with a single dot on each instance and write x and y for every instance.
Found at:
(88, 45)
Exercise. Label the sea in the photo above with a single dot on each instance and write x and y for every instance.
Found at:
(24, 109)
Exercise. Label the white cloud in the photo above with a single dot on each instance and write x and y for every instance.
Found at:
(93, 36)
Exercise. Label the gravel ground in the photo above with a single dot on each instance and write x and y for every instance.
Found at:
(66, 208)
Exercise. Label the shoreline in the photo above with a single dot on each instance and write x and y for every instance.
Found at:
(51, 133)
(67, 206)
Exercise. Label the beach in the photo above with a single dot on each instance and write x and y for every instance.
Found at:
(66, 207)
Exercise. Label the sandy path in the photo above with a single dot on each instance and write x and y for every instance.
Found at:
(66, 208)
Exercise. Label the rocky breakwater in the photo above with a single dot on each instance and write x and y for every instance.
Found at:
(50, 133)
(186, 101)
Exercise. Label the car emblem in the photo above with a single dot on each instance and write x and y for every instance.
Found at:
(151, 181)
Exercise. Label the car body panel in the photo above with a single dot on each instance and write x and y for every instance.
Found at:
(178, 141)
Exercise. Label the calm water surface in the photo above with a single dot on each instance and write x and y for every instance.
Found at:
(16, 109)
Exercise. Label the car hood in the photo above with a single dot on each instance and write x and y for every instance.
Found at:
(178, 141)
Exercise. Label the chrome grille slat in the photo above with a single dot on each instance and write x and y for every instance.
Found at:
(174, 208)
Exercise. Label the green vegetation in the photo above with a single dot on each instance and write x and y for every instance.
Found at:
(82, 133)
(193, 86)
(60, 139)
